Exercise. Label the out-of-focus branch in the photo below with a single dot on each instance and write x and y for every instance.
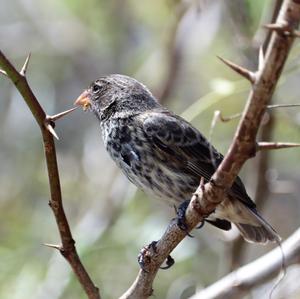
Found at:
(239, 282)
(174, 55)
(262, 188)
(46, 124)
(208, 196)
(261, 191)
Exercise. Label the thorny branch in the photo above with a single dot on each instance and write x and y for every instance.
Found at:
(243, 147)
(46, 124)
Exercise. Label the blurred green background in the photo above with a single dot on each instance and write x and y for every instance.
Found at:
(170, 46)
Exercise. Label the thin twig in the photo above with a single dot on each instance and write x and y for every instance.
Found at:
(218, 114)
(275, 145)
(67, 249)
(283, 106)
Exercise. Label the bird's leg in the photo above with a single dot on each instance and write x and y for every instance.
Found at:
(143, 256)
(181, 220)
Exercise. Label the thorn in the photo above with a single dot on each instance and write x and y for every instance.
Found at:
(25, 65)
(225, 119)
(58, 247)
(202, 184)
(3, 73)
(61, 114)
(51, 130)
(261, 59)
(275, 27)
(282, 106)
(275, 145)
(240, 70)
(280, 28)
(218, 114)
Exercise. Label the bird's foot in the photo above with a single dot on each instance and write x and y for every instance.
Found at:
(181, 220)
(144, 257)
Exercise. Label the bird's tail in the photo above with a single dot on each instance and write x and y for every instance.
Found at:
(259, 230)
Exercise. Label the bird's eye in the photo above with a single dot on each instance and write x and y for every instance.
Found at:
(96, 88)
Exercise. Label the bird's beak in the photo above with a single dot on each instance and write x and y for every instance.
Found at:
(83, 100)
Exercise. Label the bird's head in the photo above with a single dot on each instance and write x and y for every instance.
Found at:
(116, 94)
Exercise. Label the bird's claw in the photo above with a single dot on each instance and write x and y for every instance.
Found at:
(169, 263)
(144, 257)
(201, 224)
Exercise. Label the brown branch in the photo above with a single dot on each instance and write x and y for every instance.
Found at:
(240, 282)
(67, 249)
(205, 200)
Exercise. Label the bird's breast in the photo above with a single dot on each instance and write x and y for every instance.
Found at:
(143, 165)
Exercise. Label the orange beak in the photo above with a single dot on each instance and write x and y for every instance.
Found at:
(83, 100)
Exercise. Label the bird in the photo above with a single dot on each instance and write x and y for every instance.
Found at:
(164, 155)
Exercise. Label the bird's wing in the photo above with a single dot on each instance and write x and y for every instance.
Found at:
(181, 141)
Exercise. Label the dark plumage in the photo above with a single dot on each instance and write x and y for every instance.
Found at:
(165, 155)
